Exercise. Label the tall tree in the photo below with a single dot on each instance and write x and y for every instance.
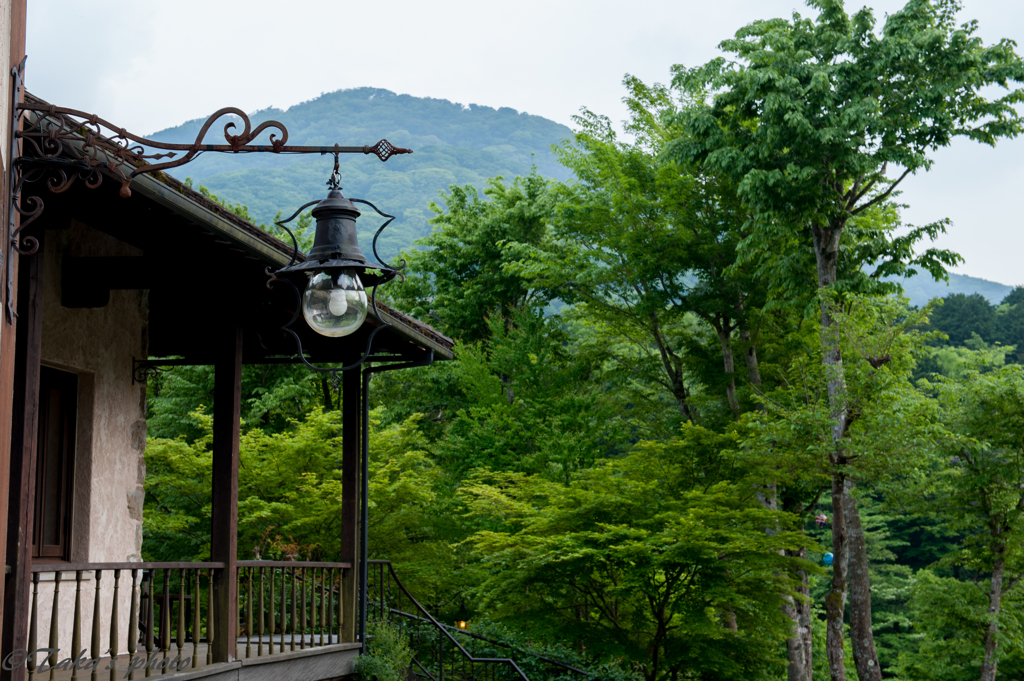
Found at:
(460, 277)
(984, 486)
(809, 120)
(645, 249)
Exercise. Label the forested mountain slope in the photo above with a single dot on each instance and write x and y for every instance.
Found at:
(921, 288)
(453, 144)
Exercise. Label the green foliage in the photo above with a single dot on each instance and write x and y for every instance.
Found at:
(462, 276)
(531, 405)
(639, 561)
(387, 657)
(290, 492)
(272, 396)
(962, 317)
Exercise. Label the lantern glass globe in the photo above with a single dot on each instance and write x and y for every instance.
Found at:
(334, 303)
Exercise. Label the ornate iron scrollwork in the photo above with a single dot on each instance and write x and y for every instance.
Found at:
(53, 144)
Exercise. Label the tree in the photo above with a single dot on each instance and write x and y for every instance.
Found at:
(531, 404)
(1010, 323)
(961, 315)
(654, 557)
(643, 249)
(809, 120)
(983, 486)
(460, 277)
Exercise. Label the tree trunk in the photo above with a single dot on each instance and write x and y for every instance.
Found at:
(751, 357)
(804, 613)
(799, 646)
(995, 595)
(799, 643)
(835, 599)
(325, 387)
(724, 337)
(672, 370)
(861, 635)
(826, 252)
(730, 620)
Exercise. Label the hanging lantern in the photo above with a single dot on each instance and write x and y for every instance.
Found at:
(821, 520)
(827, 559)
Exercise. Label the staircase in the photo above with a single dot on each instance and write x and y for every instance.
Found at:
(443, 652)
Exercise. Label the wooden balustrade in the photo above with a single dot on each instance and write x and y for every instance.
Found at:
(171, 615)
(289, 605)
(166, 604)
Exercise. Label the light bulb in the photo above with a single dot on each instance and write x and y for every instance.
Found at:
(334, 303)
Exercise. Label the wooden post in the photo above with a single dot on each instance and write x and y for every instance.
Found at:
(24, 434)
(8, 353)
(351, 402)
(227, 395)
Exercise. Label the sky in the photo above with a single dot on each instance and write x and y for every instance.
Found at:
(147, 65)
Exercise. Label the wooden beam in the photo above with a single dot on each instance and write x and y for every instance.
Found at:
(24, 433)
(351, 417)
(8, 338)
(227, 405)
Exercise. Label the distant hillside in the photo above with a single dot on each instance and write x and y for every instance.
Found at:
(922, 288)
(453, 144)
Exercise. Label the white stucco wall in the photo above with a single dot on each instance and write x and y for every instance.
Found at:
(98, 344)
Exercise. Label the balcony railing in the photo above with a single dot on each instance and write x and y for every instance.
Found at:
(287, 606)
(136, 620)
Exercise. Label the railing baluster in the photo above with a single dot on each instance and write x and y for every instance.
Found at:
(33, 627)
(196, 604)
(259, 647)
(165, 620)
(76, 626)
(284, 607)
(323, 605)
(330, 608)
(147, 581)
(96, 629)
(211, 608)
(115, 625)
(295, 619)
(180, 638)
(133, 625)
(337, 578)
(312, 611)
(54, 625)
(272, 615)
(248, 615)
(302, 620)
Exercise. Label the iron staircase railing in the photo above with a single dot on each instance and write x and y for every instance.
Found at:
(437, 653)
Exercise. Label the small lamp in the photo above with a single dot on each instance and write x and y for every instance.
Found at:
(334, 303)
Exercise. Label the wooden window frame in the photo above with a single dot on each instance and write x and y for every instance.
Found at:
(57, 428)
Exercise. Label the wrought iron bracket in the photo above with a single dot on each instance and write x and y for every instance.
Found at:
(63, 145)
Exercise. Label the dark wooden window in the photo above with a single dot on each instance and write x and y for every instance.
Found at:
(55, 464)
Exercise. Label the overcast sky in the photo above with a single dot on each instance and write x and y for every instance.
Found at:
(148, 65)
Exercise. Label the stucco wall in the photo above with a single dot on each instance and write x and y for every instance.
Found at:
(98, 344)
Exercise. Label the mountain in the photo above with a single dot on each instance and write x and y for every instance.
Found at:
(921, 288)
(452, 143)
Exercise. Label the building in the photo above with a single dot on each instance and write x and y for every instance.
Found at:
(106, 280)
